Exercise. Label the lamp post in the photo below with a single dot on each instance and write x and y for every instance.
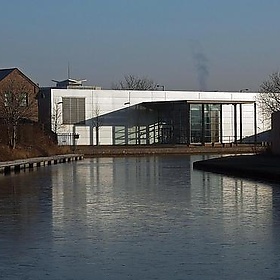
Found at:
(128, 102)
(160, 86)
(163, 88)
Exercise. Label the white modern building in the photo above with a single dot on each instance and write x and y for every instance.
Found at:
(88, 116)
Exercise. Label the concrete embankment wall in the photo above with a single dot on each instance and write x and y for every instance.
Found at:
(98, 151)
(257, 167)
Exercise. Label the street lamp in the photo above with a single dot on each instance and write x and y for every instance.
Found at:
(128, 102)
(160, 86)
(163, 88)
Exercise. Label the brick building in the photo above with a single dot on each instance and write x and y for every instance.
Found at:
(13, 79)
(18, 107)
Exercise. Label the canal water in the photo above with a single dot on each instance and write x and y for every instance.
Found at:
(137, 218)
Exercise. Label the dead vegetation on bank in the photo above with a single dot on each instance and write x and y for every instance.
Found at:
(22, 152)
(32, 142)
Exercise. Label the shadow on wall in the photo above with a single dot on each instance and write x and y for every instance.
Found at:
(133, 125)
(144, 124)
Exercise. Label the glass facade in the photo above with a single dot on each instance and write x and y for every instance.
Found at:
(173, 123)
(196, 123)
(205, 123)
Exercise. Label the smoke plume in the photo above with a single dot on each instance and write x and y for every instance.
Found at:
(201, 65)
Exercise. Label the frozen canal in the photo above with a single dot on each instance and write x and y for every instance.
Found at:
(137, 218)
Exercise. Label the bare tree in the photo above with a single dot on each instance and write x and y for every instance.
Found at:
(97, 122)
(17, 103)
(133, 82)
(269, 97)
(57, 117)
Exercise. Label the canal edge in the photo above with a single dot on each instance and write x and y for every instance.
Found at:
(15, 166)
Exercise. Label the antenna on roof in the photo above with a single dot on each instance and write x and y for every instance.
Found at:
(68, 70)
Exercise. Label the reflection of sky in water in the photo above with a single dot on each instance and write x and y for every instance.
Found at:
(138, 218)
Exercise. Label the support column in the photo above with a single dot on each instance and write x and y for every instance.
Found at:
(126, 135)
(235, 122)
(240, 122)
(203, 125)
(221, 123)
(188, 125)
(147, 135)
(255, 122)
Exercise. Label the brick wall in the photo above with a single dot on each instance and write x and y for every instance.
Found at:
(20, 81)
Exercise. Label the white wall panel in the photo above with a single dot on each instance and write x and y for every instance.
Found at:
(117, 105)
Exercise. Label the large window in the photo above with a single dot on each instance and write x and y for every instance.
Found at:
(16, 100)
(205, 123)
(73, 111)
(212, 122)
(196, 123)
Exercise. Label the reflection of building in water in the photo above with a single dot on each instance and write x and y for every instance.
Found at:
(134, 172)
(152, 173)
(228, 194)
(100, 192)
(78, 187)
(100, 185)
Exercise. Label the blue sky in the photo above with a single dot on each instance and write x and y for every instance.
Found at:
(182, 44)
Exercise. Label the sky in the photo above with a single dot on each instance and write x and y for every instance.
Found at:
(224, 45)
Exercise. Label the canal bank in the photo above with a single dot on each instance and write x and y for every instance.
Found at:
(258, 166)
(138, 150)
(7, 167)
